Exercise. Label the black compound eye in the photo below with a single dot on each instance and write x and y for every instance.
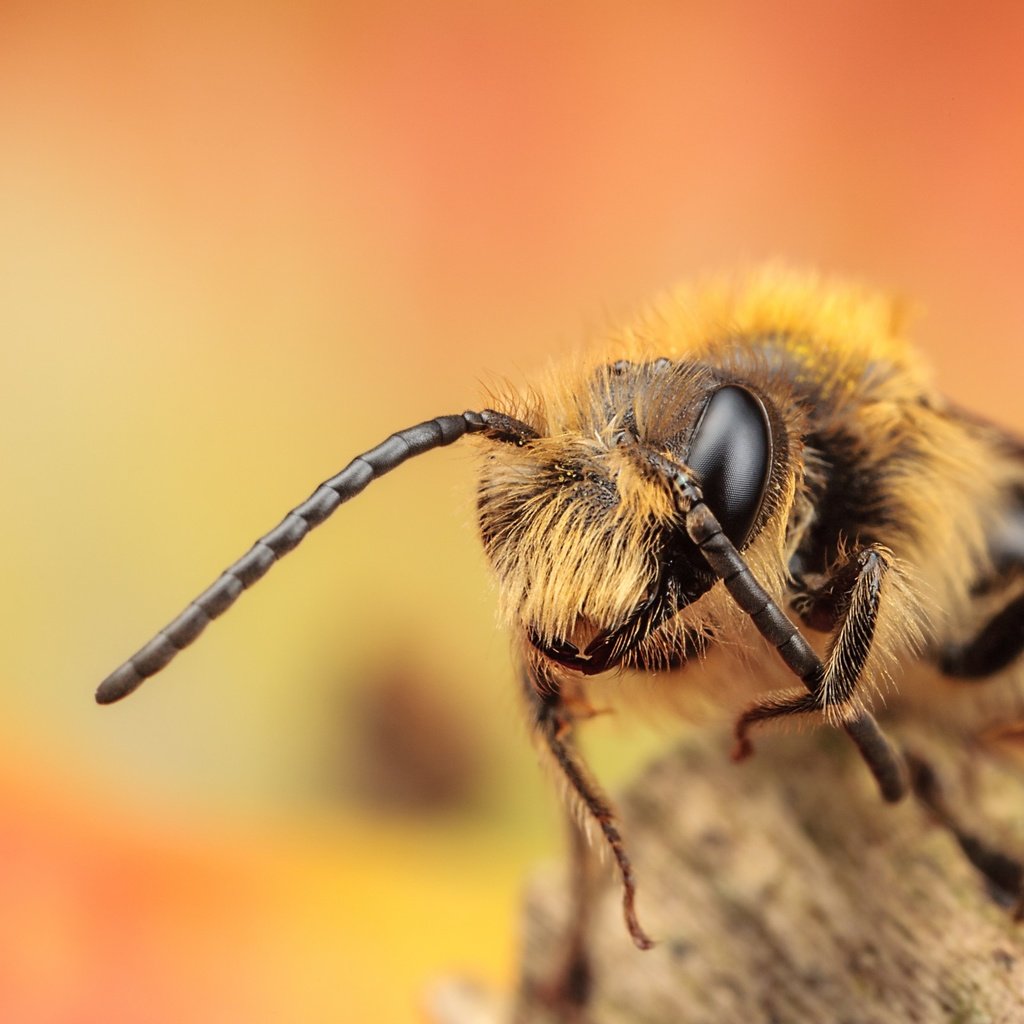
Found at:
(731, 452)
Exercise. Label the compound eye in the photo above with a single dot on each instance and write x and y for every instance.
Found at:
(731, 452)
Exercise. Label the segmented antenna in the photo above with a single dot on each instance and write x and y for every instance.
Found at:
(216, 600)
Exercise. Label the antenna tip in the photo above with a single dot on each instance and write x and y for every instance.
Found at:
(118, 684)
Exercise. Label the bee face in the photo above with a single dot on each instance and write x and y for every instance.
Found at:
(579, 521)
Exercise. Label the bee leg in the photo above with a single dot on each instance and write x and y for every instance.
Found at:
(567, 990)
(1004, 874)
(832, 687)
(552, 722)
(776, 627)
(999, 643)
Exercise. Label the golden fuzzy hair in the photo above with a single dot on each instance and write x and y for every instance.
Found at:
(572, 520)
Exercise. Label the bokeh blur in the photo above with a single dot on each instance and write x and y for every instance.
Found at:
(240, 243)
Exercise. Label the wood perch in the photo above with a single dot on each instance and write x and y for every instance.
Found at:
(784, 890)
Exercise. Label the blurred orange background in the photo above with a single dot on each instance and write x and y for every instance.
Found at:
(240, 243)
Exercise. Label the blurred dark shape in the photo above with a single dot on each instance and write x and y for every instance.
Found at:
(412, 747)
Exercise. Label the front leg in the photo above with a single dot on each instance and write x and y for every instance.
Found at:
(722, 556)
(852, 602)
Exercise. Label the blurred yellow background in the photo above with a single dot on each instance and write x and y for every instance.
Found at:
(240, 243)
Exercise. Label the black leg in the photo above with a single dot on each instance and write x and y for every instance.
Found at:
(552, 720)
(999, 643)
(831, 687)
(776, 627)
(567, 990)
(848, 652)
(1003, 874)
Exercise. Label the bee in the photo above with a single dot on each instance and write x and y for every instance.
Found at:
(755, 479)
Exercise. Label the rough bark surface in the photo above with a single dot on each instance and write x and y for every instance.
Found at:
(783, 890)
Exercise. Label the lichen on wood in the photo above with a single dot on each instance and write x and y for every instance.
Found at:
(784, 891)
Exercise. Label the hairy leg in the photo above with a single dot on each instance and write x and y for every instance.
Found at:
(778, 629)
(835, 687)
(552, 718)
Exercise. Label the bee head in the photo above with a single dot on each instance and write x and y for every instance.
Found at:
(579, 521)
